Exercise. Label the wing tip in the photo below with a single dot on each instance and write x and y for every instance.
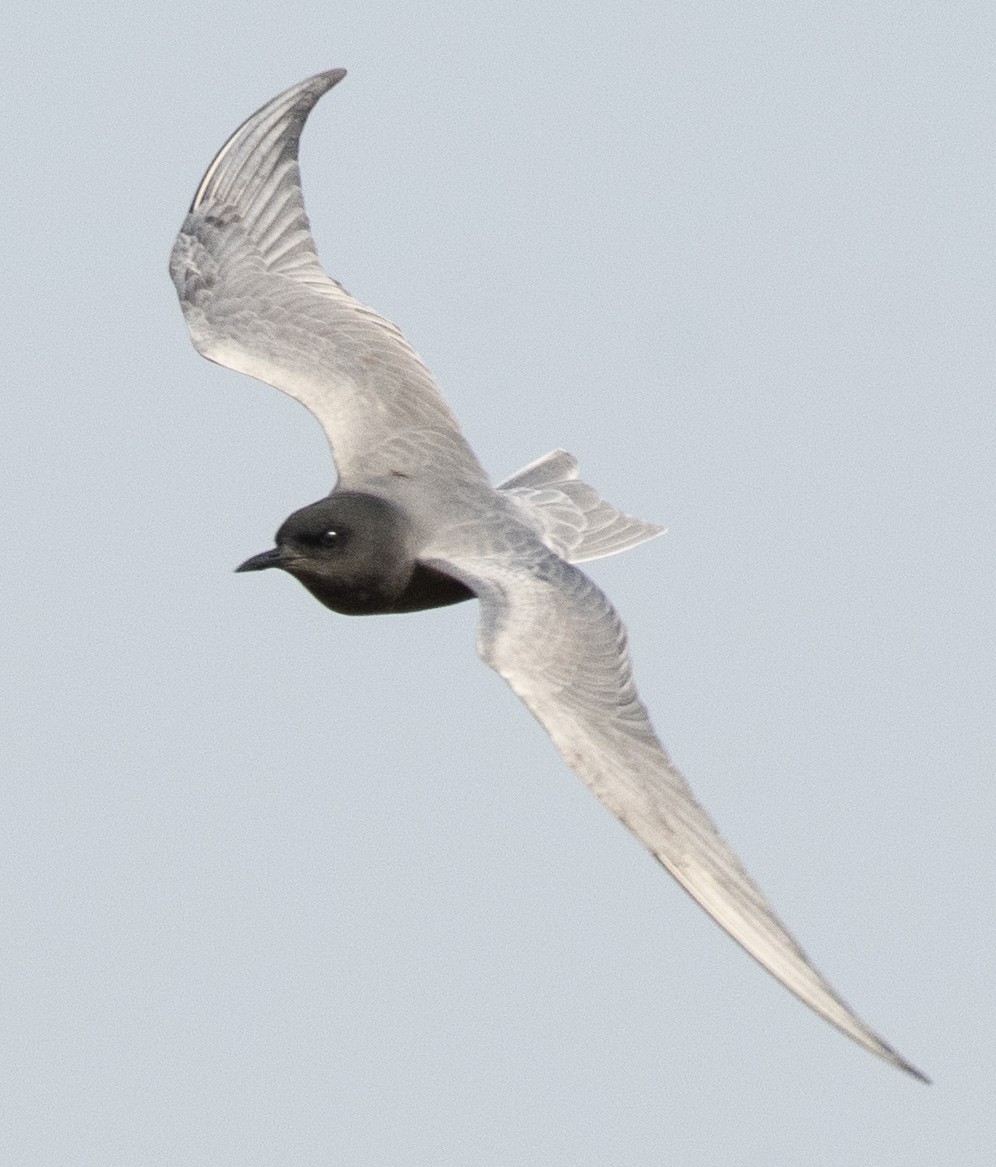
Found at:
(305, 94)
(910, 1069)
(322, 82)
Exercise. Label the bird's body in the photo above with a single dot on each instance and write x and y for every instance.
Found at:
(415, 523)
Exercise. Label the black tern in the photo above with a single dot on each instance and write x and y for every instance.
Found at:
(414, 522)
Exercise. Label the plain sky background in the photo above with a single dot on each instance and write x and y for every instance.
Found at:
(281, 887)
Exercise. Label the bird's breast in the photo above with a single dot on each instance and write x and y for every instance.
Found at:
(372, 596)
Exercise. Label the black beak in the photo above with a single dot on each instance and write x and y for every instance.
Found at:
(272, 558)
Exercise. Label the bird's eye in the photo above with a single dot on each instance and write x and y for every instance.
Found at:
(329, 538)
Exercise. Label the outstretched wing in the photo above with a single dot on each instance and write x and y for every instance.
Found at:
(256, 299)
(555, 638)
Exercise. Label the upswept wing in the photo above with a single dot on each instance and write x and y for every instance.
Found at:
(555, 638)
(256, 299)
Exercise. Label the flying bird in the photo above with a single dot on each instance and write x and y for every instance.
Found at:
(414, 521)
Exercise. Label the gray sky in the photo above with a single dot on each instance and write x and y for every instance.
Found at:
(284, 888)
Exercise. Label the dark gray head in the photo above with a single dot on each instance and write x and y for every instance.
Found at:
(352, 551)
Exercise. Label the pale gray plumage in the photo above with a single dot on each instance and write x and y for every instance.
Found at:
(256, 300)
(568, 514)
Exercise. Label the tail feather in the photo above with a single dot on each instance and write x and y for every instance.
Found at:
(569, 515)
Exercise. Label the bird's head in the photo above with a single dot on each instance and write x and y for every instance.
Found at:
(350, 550)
